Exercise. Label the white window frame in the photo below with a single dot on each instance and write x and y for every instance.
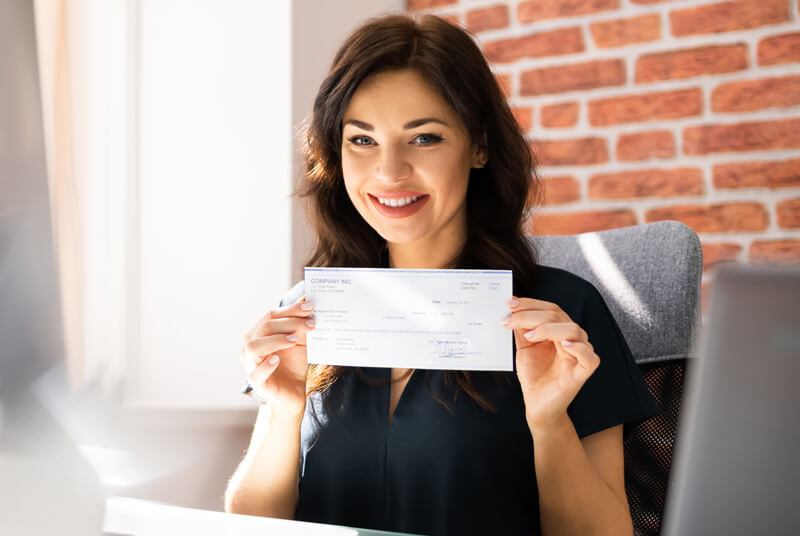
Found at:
(112, 206)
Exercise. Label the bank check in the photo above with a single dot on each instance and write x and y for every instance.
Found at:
(426, 319)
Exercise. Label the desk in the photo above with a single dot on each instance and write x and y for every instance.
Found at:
(144, 518)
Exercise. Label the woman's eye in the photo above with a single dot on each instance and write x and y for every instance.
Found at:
(427, 139)
(360, 140)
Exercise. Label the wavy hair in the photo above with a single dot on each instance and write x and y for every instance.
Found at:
(497, 194)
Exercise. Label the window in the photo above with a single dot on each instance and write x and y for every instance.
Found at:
(190, 233)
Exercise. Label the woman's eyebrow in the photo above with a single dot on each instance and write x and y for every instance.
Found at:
(411, 124)
(419, 122)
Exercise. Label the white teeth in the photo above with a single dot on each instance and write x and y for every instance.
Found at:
(398, 202)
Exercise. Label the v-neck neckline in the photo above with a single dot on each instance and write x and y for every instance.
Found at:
(389, 414)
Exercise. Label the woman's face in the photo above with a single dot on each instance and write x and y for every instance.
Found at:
(406, 158)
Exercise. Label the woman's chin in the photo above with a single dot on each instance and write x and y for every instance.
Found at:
(394, 237)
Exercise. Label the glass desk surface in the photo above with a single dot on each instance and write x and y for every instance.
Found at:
(124, 516)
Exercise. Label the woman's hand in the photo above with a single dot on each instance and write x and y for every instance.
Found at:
(274, 357)
(554, 359)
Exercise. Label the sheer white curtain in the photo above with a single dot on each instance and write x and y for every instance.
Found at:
(53, 37)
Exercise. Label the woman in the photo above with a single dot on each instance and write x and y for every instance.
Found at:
(415, 161)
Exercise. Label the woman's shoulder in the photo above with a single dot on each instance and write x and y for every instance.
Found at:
(569, 291)
(556, 285)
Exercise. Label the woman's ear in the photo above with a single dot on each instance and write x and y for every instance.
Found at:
(479, 153)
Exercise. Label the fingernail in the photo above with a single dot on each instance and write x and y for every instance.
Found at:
(513, 303)
(306, 306)
(310, 323)
(566, 343)
(291, 338)
(274, 359)
(530, 334)
(506, 319)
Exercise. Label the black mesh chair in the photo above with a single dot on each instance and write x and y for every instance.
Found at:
(649, 275)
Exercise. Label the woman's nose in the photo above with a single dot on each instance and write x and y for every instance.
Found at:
(393, 166)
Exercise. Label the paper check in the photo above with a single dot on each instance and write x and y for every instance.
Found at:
(426, 319)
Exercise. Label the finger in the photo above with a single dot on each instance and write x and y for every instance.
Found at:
(301, 309)
(523, 304)
(249, 333)
(571, 373)
(285, 326)
(529, 319)
(259, 347)
(263, 371)
(556, 331)
(588, 360)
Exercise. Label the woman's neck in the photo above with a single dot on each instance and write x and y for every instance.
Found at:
(425, 253)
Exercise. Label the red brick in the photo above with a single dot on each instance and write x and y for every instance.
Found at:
(553, 43)
(645, 145)
(728, 16)
(788, 213)
(417, 5)
(560, 190)
(647, 107)
(785, 251)
(504, 81)
(563, 114)
(572, 152)
(488, 18)
(581, 222)
(578, 76)
(646, 183)
(717, 218)
(761, 135)
(615, 33)
(782, 174)
(784, 48)
(533, 10)
(749, 95)
(715, 254)
(715, 59)
(524, 117)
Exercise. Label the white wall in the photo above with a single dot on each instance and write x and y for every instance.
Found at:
(214, 158)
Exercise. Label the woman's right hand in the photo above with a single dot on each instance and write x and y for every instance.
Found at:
(274, 357)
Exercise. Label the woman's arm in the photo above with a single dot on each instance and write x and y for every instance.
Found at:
(265, 483)
(581, 482)
(274, 356)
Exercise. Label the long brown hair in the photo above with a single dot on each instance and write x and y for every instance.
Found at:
(497, 195)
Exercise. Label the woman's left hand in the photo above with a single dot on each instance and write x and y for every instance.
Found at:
(554, 359)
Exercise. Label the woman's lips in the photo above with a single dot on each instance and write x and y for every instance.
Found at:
(399, 212)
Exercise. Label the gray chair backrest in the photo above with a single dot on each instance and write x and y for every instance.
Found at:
(649, 276)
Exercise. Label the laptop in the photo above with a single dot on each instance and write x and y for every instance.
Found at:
(737, 469)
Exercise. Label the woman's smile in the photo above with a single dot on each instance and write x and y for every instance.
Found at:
(398, 204)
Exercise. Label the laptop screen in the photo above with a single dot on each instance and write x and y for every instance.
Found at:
(736, 468)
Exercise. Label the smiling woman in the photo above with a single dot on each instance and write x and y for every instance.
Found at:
(416, 100)
(408, 177)
(415, 161)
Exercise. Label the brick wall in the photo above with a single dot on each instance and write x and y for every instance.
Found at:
(646, 110)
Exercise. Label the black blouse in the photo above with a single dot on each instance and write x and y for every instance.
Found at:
(459, 471)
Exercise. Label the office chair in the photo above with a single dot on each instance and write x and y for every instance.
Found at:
(649, 276)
